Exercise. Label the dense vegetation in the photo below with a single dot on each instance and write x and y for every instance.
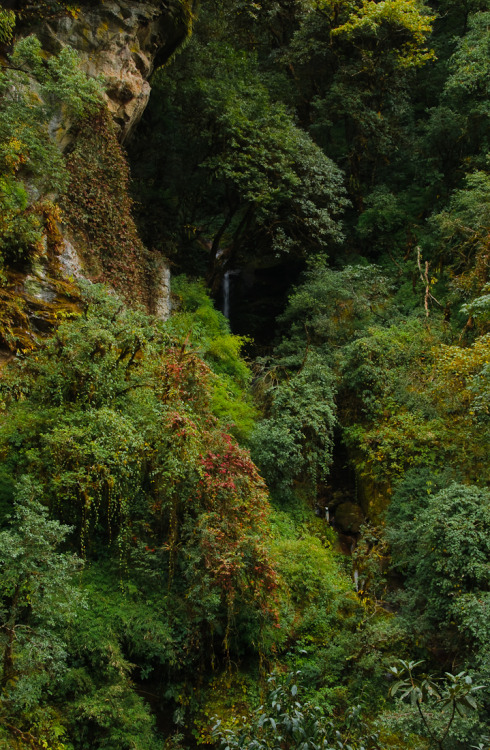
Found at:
(271, 531)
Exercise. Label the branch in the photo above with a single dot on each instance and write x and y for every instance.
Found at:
(24, 735)
(424, 276)
(448, 724)
(432, 736)
(132, 387)
(14, 67)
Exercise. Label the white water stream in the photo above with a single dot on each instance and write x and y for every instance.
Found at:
(227, 291)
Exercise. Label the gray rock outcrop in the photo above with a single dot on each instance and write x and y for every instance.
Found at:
(121, 41)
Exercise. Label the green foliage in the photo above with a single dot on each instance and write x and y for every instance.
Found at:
(31, 165)
(393, 424)
(196, 320)
(441, 541)
(467, 84)
(98, 209)
(20, 231)
(285, 721)
(7, 23)
(462, 373)
(274, 168)
(329, 308)
(370, 560)
(38, 600)
(289, 722)
(479, 308)
(295, 441)
(410, 19)
(342, 646)
(120, 423)
(113, 419)
(354, 64)
(383, 223)
(115, 630)
(316, 596)
(62, 81)
(389, 419)
(463, 231)
(455, 693)
(298, 387)
(230, 168)
(408, 400)
(405, 398)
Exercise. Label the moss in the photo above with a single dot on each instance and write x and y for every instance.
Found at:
(26, 312)
(98, 210)
(25, 317)
(229, 695)
(102, 30)
(14, 321)
(374, 494)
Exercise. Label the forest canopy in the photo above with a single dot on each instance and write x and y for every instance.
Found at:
(245, 379)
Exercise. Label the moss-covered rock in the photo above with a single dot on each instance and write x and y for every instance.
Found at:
(349, 517)
(122, 42)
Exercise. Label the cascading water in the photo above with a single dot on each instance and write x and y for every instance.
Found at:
(226, 294)
(227, 284)
(356, 579)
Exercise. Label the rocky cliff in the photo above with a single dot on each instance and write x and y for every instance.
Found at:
(122, 42)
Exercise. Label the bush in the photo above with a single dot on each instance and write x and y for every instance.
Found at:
(441, 542)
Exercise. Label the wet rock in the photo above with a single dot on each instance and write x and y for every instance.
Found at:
(349, 517)
(39, 287)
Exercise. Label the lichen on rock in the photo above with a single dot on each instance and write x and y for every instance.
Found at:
(121, 42)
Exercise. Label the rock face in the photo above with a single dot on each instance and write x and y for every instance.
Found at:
(162, 302)
(349, 517)
(122, 41)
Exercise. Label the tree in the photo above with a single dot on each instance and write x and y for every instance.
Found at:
(463, 234)
(295, 442)
(455, 693)
(330, 308)
(38, 599)
(466, 89)
(288, 722)
(441, 540)
(31, 164)
(247, 182)
(114, 418)
(353, 63)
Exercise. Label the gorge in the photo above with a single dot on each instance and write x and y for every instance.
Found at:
(244, 375)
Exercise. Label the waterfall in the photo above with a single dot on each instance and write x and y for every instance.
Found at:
(227, 291)
(226, 294)
(356, 579)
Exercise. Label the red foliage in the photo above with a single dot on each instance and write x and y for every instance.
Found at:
(184, 377)
(234, 525)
